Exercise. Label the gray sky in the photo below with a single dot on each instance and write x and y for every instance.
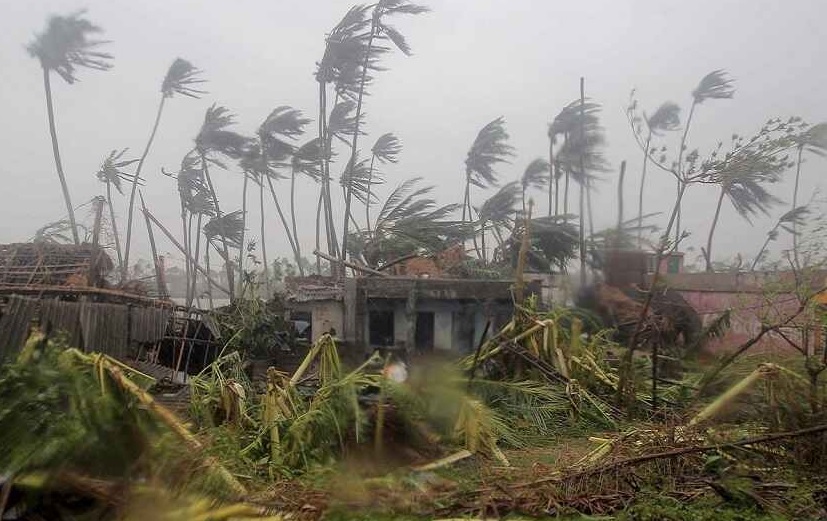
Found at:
(473, 60)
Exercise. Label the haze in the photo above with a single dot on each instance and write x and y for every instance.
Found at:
(473, 61)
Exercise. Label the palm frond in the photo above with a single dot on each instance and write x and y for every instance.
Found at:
(666, 118)
(214, 136)
(342, 120)
(229, 227)
(181, 78)
(111, 171)
(500, 208)
(387, 148)
(535, 174)
(814, 139)
(715, 85)
(489, 148)
(65, 46)
(306, 159)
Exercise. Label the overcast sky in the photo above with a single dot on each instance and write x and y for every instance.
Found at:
(473, 60)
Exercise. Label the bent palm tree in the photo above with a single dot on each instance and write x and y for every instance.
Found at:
(534, 176)
(181, 78)
(215, 140)
(380, 31)
(497, 213)
(409, 221)
(386, 149)
(812, 140)
(489, 148)
(110, 174)
(665, 119)
(742, 175)
(715, 85)
(62, 48)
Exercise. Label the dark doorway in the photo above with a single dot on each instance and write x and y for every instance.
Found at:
(380, 328)
(424, 335)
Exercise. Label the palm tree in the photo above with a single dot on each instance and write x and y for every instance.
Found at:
(715, 85)
(409, 221)
(742, 175)
(786, 222)
(378, 32)
(497, 213)
(566, 128)
(534, 176)
(386, 149)
(110, 174)
(64, 47)
(215, 140)
(665, 119)
(181, 78)
(489, 148)
(812, 140)
(305, 161)
(273, 151)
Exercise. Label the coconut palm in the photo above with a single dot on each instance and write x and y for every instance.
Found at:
(743, 175)
(379, 33)
(562, 128)
(715, 85)
(110, 174)
(340, 67)
(272, 151)
(181, 78)
(787, 222)
(665, 119)
(497, 214)
(64, 47)
(535, 175)
(386, 149)
(813, 140)
(214, 140)
(305, 161)
(409, 221)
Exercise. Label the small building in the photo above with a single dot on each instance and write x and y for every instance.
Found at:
(412, 313)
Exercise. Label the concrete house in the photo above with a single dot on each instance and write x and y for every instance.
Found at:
(414, 313)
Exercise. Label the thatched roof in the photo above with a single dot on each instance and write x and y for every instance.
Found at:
(49, 264)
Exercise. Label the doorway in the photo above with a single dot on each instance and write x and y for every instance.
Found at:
(380, 328)
(424, 334)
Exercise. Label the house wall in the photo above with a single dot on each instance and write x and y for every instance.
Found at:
(457, 324)
(754, 299)
(325, 314)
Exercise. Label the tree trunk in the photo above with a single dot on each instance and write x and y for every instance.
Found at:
(353, 147)
(795, 203)
(297, 249)
(197, 257)
(640, 192)
(680, 167)
(47, 85)
(209, 277)
(281, 216)
(556, 189)
(156, 261)
(135, 180)
(620, 194)
(228, 262)
(263, 240)
(243, 250)
(121, 265)
(708, 253)
(566, 194)
(367, 203)
(550, 176)
(186, 248)
(318, 233)
(583, 182)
